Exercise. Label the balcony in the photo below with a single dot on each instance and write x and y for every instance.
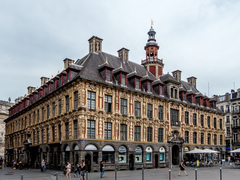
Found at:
(235, 126)
(175, 123)
(236, 111)
(152, 59)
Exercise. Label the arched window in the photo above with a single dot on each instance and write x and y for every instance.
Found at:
(162, 154)
(138, 154)
(76, 148)
(108, 154)
(122, 157)
(67, 154)
(149, 154)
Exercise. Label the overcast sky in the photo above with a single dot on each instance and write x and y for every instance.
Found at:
(199, 37)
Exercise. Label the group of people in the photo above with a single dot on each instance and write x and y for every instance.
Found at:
(80, 169)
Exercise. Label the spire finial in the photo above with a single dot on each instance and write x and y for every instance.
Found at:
(121, 65)
(151, 23)
(106, 60)
(135, 69)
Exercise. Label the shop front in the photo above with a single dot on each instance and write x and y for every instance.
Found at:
(149, 157)
(108, 157)
(162, 157)
(138, 158)
(122, 158)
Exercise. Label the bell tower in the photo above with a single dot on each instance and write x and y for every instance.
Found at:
(152, 63)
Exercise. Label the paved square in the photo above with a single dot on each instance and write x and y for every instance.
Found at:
(204, 173)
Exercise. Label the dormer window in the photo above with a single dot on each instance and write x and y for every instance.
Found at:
(123, 79)
(193, 99)
(183, 96)
(137, 83)
(149, 86)
(174, 93)
(108, 75)
(68, 76)
(161, 90)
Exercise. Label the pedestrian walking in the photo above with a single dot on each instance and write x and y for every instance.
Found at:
(43, 164)
(101, 169)
(182, 168)
(68, 176)
(1, 162)
(77, 169)
(229, 160)
(83, 169)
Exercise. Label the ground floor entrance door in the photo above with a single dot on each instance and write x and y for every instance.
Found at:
(175, 155)
(156, 161)
(88, 162)
(131, 162)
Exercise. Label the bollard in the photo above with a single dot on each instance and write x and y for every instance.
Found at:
(195, 173)
(56, 175)
(170, 176)
(142, 173)
(86, 175)
(21, 176)
(115, 174)
(220, 173)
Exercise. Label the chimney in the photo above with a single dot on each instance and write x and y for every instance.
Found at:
(123, 54)
(227, 97)
(67, 62)
(192, 81)
(31, 89)
(44, 80)
(177, 75)
(95, 44)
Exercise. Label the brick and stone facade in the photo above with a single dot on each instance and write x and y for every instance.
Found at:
(104, 107)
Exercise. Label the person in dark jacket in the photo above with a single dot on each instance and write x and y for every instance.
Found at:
(77, 169)
(101, 169)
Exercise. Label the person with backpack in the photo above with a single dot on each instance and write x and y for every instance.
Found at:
(77, 169)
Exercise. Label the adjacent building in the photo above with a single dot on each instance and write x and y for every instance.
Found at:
(4, 106)
(230, 105)
(106, 107)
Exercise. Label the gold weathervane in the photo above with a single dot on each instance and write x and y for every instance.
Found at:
(151, 23)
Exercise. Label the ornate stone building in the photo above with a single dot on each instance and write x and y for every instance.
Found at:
(4, 106)
(230, 105)
(106, 107)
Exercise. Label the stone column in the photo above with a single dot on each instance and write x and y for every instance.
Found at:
(71, 157)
